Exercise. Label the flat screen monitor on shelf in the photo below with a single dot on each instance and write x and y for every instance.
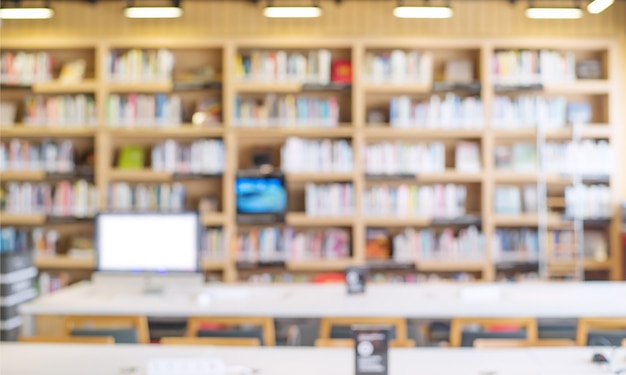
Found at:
(150, 243)
(261, 197)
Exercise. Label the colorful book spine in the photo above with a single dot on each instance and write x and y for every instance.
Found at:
(287, 111)
(48, 155)
(398, 67)
(137, 65)
(78, 199)
(62, 110)
(285, 66)
(413, 245)
(137, 110)
(449, 112)
(329, 199)
(200, 157)
(25, 68)
(146, 198)
(527, 67)
(399, 158)
(300, 155)
(427, 201)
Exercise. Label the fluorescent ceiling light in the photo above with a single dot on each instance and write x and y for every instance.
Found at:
(153, 12)
(598, 6)
(423, 12)
(292, 12)
(554, 13)
(26, 13)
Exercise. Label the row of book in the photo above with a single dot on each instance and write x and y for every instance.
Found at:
(205, 156)
(60, 110)
(436, 201)
(513, 200)
(523, 67)
(532, 111)
(25, 68)
(137, 110)
(399, 67)
(373, 277)
(48, 155)
(586, 157)
(515, 245)
(141, 197)
(270, 245)
(451, 112)
(519, 157)
(213, 244)
(329, 199)
(588, 201)
(284, 66)
(50, 283)
(140, 65)
(412, 245)
(78, 199)
(399, 157)
(286, 110)
(305, 155)
(39, 240)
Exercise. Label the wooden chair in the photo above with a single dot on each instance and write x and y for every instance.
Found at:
(624, 343)
(326, 324)
(67, 340)
(513, 343)
(211, 341)
(194, 324)
(586, 324)
(108, 325)
(349, 343)
(456, 327)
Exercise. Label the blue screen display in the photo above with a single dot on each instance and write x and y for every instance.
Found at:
(260, 195)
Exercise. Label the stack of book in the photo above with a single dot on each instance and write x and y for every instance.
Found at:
(284, 66)
(264, 245)
(562, 244)
(143, 110)
(25, 68)
(467, 157)
(42, 242)
(140, 65)
(588, 157)
(300, 155)
(79, 199)
(515, 245)
(163, 197)
(48, 155)
(400, 158)
(200, 157)
(451, 112)
(526, 67)
(214, 244)
(287, 110)
(508, 199)
(437, 201)
(427, 245)
(588, 201)
(398, 67)
(519, 157)
(329, 199)
(49, 283)
(529, 111)
(65, 110)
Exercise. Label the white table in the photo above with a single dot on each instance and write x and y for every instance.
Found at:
(64, 359)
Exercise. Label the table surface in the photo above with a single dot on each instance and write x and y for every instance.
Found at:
(69, 359)
(538, 300)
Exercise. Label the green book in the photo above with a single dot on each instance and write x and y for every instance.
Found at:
(131, 157)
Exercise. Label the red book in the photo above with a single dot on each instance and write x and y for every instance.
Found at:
(341, 71)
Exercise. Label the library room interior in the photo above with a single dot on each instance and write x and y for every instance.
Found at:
(311, 187)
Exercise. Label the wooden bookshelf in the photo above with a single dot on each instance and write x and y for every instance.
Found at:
(65, 262)
(355, 101)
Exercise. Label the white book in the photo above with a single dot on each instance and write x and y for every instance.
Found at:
(398, 66)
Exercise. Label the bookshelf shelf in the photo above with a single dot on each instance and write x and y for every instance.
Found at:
(212, 219)
(213, 265)
(591, 131)
(387, 132)
(60, 87)
(526, 220)
(341, 131)
(184, 131)
(22, 175)
(514, 177)
(319, 177)
(266, 87)
(394, 221)
(320, 265)
(450, 176)
(139, 87)
(139, 175)
(64, 262)
(7, 218)
(580, 87)
(400, 88)
(301, 219)
(47, 132)
(450, 266)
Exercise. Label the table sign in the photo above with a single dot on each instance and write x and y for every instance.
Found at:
(355, 279)
(371, 345)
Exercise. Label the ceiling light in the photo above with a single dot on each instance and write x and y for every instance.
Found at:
(554, 13)
(292, 12)
(26, 13)
(598, 6)
(153, 12)
(422, 12)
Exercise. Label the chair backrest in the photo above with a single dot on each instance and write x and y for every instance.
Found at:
(456, 329)
(513, 343)
(211, 341)
(67, 340)
(123, 328)
(585, 325)
(194, 325)
(398, 324)
(349, 343)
